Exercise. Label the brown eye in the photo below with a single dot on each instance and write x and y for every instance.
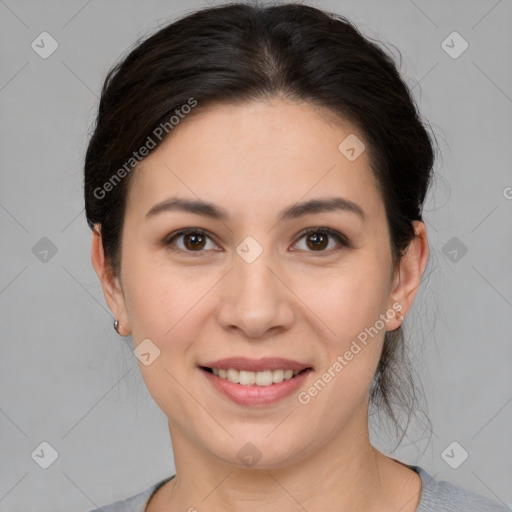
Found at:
(193, 240)
(317, 239)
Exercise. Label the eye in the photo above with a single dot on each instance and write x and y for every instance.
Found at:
(317, 239)
(194, 240)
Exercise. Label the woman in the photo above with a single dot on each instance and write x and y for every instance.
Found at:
(254, 184)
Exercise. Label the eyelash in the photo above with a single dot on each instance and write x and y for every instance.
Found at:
(342, 239)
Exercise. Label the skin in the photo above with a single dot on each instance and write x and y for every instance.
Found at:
(293, 301)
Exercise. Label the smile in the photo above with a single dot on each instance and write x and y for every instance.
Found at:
(252, 394)
(248, 378)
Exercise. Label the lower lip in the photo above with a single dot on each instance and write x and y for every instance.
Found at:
(256, 395)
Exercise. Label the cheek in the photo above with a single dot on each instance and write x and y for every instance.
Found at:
(349, 298)
(159, 296)
(163, 306)
(350, 302)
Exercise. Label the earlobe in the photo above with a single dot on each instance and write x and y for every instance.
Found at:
(110, 284)
(410, 271)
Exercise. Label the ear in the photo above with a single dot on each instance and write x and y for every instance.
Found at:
(111, 285)
(408, 276)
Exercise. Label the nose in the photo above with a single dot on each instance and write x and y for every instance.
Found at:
(255, 299)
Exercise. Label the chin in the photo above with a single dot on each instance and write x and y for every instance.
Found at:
(259, 451)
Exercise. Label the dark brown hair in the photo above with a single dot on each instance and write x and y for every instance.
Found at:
(244, 52)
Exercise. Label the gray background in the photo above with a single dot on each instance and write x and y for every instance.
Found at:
(68, 379)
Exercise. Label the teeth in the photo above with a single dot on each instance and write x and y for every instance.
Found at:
(263, 378)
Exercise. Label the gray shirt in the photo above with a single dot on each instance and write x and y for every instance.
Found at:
(436, 496)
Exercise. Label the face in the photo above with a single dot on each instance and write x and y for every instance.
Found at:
(250, 283)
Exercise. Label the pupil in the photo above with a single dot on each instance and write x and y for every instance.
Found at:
(194, 239)
(318, 238)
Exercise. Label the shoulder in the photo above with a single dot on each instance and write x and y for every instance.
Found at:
(135, 503)
(442, 496)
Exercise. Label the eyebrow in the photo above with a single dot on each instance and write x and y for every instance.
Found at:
(212, 211)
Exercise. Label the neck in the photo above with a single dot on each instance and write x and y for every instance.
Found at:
(346, 474)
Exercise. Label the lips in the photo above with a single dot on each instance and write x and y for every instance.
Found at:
(256, 395)
(256, 365)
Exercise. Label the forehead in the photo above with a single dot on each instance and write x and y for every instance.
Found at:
(255, 156)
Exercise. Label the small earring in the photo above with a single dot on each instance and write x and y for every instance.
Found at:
(116, 326)
(400, 318)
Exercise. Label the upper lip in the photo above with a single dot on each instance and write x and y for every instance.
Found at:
(257, 365)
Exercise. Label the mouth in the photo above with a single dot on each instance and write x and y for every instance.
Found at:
(268, 377)
(255, 382)
(260, 387)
